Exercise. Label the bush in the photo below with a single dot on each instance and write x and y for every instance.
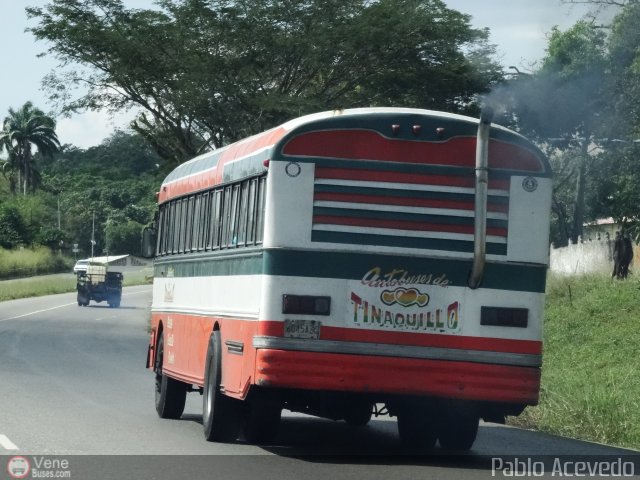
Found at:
(28, 262)
(12, 229)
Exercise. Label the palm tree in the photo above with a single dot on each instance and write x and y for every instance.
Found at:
(21, 130)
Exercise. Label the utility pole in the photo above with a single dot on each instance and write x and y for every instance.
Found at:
(93, 233)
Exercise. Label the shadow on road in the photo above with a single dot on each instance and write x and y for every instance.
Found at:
(323, 441)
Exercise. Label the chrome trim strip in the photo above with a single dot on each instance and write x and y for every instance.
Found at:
(403, 351)
(234, 347)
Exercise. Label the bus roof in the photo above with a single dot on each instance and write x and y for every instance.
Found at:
(251, 155)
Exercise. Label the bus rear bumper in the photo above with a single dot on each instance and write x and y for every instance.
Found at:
(391, 375)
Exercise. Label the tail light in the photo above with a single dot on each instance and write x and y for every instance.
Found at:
(306, 305)
(504, 317)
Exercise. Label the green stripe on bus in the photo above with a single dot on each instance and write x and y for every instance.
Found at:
(405, 193)
(411, 217)
(348, 266)
(403, 242)
(354, 266)
(222, 262)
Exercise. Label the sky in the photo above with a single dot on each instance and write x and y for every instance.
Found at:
(518, 28)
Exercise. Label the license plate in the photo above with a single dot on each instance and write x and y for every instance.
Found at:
(302, 329)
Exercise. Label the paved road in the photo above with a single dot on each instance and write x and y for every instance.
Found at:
(73, 382)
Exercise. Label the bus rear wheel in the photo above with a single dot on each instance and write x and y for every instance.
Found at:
(220, 414)
(171, 394)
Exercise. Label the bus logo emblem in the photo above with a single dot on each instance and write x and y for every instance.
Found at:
(406, 297)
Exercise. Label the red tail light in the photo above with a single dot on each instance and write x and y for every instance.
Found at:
(306, 305)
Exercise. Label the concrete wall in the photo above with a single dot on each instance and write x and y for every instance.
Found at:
(587, 257)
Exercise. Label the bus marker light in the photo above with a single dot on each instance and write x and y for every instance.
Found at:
(416, 129)
(266, 163)
(395, 128)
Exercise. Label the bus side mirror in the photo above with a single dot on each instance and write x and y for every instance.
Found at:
(148, 242)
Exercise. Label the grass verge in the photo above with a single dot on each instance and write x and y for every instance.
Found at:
(28, 262)
(53, 284)
(591, 367)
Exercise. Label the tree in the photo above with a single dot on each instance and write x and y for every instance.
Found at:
(12, 228)
(21, 130)
(207, 72)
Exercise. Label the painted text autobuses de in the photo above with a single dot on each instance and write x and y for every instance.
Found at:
(353, 263)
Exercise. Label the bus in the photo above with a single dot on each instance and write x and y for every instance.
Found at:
(353, 263)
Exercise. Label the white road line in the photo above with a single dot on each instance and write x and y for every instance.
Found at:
(7, 444)
(65, 305)
(39, 311)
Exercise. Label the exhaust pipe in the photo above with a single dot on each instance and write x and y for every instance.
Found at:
(482, 192)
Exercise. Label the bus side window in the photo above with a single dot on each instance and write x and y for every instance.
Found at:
(242, 214)
(216, 217)
(160, 231)
(203, 221)
(251, 212)
(262, 192)
(197, 224)
(232, 228)
(175, 225)
(189, 211)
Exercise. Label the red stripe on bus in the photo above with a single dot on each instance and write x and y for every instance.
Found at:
(405, 201)
(506, 345)
(187, 185)
(214, 177)
(400, 177)
(371, 145)
(403, 225)
(378, 374)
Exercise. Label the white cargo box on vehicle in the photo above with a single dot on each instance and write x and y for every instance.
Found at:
(96, 273)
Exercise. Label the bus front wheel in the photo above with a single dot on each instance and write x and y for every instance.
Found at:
(171, 394)
(220, 414)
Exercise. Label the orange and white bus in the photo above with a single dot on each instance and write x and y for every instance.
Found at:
(351, 263)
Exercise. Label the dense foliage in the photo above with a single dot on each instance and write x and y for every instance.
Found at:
(208, 72)
(107, 191)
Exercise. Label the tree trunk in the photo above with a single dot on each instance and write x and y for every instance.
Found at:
(578, 215)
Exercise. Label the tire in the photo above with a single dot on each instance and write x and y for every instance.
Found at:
(417, 429)
(457, 432)
(221, 415)
(359, 414)
(83, 301)
(261, 422)
(171, 394)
